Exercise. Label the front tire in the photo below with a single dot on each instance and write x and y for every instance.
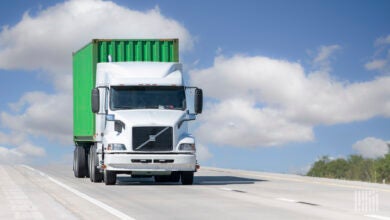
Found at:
(79, 162)
(187, 177)
(94, 173)
(109, 177)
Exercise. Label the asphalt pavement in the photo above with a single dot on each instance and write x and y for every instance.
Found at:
(52, 192)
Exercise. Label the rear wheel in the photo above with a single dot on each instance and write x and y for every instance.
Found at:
(79, 162)
(109, 177)
(187, 177)
(94, 173)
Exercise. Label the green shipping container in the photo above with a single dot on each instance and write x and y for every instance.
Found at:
(120, 50)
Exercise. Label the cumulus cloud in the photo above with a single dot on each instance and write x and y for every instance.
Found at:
(45, 41)
(258, 101)
(30, 149)
(23, 152)
(238, 122)
(375, 64)
(41, 114)
(372, 147)
(381, 59)
(203, 153)
(11, 156)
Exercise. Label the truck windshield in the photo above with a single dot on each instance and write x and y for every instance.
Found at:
(147, 97)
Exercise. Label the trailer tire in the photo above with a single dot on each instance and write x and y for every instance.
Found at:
(187, 177)
(79, 163)
(94, 173)
(87, 173)
(109, 177)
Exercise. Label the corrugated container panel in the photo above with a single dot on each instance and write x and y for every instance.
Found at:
(138, 50)
(83, 82)
(120, 50)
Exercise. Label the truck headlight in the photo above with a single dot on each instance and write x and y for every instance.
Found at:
(187, 147)
(116, 147)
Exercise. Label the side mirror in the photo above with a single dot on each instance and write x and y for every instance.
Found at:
(198, 102)
(95, 100)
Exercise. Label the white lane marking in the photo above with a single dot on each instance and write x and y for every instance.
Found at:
(96, 202)
(286, 200)
(378, 217)
(19, 202)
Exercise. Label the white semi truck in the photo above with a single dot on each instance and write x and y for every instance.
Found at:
(131, 112)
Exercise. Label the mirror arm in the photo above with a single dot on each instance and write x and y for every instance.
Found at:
(188, 117)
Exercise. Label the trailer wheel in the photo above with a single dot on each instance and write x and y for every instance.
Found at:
(187, 177)
(94, 173)
(79, 162)
(109, 177)
(87, 173)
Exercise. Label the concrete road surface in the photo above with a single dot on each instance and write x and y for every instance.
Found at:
(52, 192)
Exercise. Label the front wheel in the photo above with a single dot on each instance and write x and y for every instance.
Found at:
(109, 177)
(187, 177)
(94, 173)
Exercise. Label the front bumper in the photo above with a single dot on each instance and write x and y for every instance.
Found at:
(150, 162)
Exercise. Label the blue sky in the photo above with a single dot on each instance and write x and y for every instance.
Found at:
(334, 50)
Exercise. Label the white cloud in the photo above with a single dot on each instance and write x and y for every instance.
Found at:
(12, 139)
(371, 147)
(42, 115)
(45, 42)
(30, 149)
(203, 153)
(375, 64)
(23, 152)
(381, 59)
(11, 156)
(260, 101)
(383, 40)
(325, 52)
(238, 122)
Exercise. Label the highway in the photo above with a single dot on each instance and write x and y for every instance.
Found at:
(52, 192)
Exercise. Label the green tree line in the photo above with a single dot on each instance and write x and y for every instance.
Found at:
(355, 167)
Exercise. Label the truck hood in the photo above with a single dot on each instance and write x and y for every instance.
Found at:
(149, 117)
